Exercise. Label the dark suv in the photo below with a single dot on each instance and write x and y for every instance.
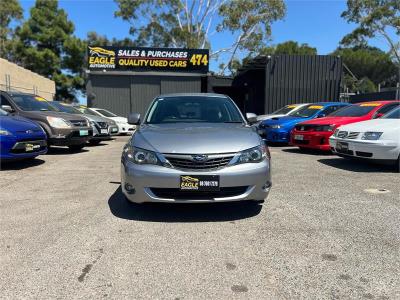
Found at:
(62, 129)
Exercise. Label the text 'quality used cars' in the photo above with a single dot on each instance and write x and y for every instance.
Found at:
(195, 148)
(62, 129)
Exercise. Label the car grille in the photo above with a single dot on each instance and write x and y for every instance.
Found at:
(102, 124)
(173, 193)
(187, 162)
(347, 135)
(79, 123)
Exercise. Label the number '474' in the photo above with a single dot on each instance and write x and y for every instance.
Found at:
(198, 59)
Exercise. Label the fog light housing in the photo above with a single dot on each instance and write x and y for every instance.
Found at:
(267, 186)
(129, 188)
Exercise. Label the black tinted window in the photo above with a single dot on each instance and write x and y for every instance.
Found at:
(394, 114)
(354, 110)
(193, 109)
(32, 103)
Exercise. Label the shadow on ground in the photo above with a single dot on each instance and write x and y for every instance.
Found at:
(64, 151)
(20, 164)
(357, 165)
(162, 212)
(307, 151)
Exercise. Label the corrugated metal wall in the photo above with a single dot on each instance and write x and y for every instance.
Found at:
(122, 94)
(301, 79)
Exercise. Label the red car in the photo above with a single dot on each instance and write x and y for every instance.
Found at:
(315, 133)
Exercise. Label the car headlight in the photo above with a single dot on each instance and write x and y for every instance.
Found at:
(4, 132)
(371, 135)
(336, 132)
(58, 122)
(325, 128)
(275, 126)
(141, 156)
(252, 155)
(92, 123)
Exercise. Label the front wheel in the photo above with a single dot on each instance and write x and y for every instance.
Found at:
(76, 148)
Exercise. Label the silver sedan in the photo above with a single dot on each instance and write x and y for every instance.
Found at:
(193, 148)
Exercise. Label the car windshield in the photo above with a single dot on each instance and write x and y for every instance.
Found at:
(354, 110)
(193, 109)
(65, 108)
(87, 111)
(307, 111)
(393, 114)
(32, 103)
(284, 110)
(106, 113)
(3, 113)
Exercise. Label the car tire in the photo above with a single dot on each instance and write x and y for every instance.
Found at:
(94, 142)
(76, 148)
(398, 165)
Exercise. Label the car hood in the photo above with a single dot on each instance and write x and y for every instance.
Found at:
(119, 119)
(373, 125)
(41, 115)
(196, 138)
(338, 121)
(95, 118)
(267, 117)
(15, 124)
(284, 121)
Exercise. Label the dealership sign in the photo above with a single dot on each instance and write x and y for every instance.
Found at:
(148, 59)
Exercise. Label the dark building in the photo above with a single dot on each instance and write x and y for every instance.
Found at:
(385, 94)
(265, 84)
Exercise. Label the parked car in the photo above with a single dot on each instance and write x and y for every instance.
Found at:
(278, 129)
(102, 127)
(315, 133)
(20, 138)
(377, 140)
(284, 111)
(193, 148)
(122, 123)
(111, 123)
(61, 129)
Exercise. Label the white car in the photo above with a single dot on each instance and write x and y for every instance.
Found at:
(377, 139)
(122, 123)
(284, 111)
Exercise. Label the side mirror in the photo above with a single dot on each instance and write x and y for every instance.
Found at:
(377, 116)
(7, 108)
(134, 119)
(252, 118)
(321, 116)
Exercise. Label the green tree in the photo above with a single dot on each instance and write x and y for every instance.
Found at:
(189, 24)
(10, 10)
(362, 63)
(45, 45)
(375, 18)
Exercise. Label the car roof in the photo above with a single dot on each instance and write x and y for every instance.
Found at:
(192, 95)
(378, 101)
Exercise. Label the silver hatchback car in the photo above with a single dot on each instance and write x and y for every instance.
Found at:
(193, 148)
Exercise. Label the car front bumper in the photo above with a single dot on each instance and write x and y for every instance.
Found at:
(125, 128)
(68, 137)
(253, 178)
(385, 151)
(312, 140)
(275, 135)
(15, 149)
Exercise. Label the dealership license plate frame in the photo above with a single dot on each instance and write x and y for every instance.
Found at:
(83, 132)
(188, 183)
(299, 137)
(342, 146)
(103, 131)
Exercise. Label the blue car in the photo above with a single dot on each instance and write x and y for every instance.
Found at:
(278, 129)
(20, 138)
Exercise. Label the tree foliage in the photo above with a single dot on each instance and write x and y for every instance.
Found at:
(368, 66)
(190, 24)
(10, 10)
(289, 48)
(374, 18)
(45, 45)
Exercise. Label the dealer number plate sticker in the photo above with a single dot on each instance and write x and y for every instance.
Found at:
(199, 183)
(103, 131)
(83, 132)
(299, 137)
(342, 146)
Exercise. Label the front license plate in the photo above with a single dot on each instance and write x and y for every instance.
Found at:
(31, 147)
(103, 131)
(199, 183)
(83, 132)
(299, 137)
(342, 146)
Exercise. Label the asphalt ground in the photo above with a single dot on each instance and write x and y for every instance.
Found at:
(67, 233)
